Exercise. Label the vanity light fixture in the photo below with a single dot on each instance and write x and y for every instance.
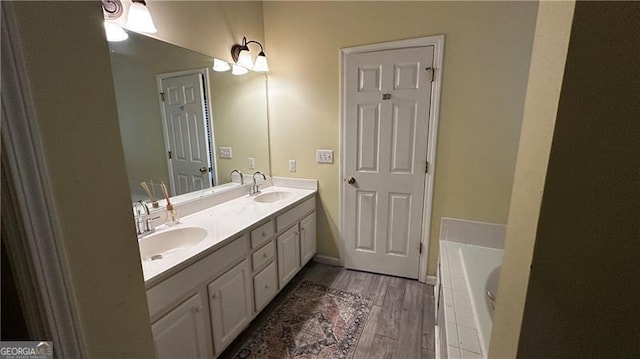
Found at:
(112, 9)
(242, 56)
(114, 32)
(139, 18)
(238, 70)
(220, 66)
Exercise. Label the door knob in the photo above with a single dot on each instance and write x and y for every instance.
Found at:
(203, 169)
(351, 180)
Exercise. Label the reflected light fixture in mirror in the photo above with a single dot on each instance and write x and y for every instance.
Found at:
(242, 56)
(112, 10)
(220, 66)
(139, 18)
(114, 32)
(239, 70)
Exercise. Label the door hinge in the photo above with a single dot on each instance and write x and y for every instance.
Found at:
(420, 249)
(170, 155)
(432, 73)
(426, 169)
(162, 96)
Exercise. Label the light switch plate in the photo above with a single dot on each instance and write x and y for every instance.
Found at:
(324, 156)
(292, 165)
(252, 163)
(225, 152)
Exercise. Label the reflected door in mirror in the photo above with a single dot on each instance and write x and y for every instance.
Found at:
(190, 160)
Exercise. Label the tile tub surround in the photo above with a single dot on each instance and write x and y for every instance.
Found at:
(461, 324)
(481, 234)
(224, 216)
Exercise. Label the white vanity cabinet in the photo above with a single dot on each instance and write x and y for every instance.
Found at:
(265, 280)
(296, 230)
(201, 307)
(308, 247)
(182, 333)
(288, 255)
(265, 286)
(230, 304)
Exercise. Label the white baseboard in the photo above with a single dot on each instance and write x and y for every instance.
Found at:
(431, 280)
(327, 260)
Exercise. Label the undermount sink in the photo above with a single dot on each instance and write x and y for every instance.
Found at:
(271, 197)
(165, 244)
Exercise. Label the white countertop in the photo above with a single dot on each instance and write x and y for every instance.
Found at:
(222, 223)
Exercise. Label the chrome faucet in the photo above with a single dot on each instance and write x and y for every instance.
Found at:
(254, 188)
(239, 174)
(143, 222)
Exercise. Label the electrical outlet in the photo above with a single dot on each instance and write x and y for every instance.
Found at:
(224, 152)
(292, 165)
(252, 163)
(324, 156)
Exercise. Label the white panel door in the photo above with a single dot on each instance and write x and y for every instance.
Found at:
(387, 114)
(188, 140)
(230, 304)
(182, 333)
(307, 238)
(288, 255)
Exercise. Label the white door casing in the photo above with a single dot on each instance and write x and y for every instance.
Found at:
(386, 130)
(186, 138)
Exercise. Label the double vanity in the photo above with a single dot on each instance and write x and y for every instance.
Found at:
(209, 276)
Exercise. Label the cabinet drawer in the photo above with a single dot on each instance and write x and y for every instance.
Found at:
(262, 234)
(169, 291)
(290, 217)
(263, 255)
(265, 285)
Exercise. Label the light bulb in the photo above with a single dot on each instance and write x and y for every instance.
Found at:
(239, 70)
(139, 19)
(220, 66)
(114, 32)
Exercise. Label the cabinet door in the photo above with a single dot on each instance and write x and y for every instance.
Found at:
(288, 255)
(307, 238)
(265, 285)
(182, 333)
(230, 302)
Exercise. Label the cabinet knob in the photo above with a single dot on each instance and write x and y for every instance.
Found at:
(199, 308)
(266, 286)
(264, 255)
(263, 234)
(214, 296)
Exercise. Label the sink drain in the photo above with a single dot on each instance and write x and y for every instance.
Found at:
(155, 257)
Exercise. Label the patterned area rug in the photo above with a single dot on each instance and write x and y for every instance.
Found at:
(312, 322)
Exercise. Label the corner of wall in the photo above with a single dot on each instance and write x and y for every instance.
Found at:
(551, 41)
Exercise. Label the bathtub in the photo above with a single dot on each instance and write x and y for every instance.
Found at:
(464, 312)
(481, 267)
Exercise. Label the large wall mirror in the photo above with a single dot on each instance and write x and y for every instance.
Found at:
(183, 123)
